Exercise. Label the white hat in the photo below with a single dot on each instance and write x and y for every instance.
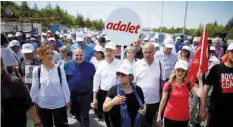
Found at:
(28, 35)
(110, 45)
(182, 64)
(195, 40)
(146, 39)
(178, 38)
(186, 47)
(49, 31)
(80, 37)
(106, 38)
(156, 37)
(169, 43)
(57, 33)
(17, 34)
(10, 35)
(61, 36)
(27, 48)
(32, 39)
(99, 48)
(125, 69)
(152, 40)
(14, 43)
(52, 39)
(230, 47)
(212, 48)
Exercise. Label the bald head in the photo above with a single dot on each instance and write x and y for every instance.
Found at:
(149, 46)
(79, 55)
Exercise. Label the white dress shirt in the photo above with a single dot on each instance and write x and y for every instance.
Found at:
(148, 78)
(95, 62)
(105, 76)
(51, 94)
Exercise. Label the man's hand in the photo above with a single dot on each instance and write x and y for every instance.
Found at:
(95, 103)
(67, 105)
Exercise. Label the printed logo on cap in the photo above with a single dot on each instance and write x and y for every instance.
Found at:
(123, 26)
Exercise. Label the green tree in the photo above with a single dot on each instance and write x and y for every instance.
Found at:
(230, 33)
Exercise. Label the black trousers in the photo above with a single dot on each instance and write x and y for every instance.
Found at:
(171, 123)
(148, 118)
(101, 96)
(81, 106)
(57, 116)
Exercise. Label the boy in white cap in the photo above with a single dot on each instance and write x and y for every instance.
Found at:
(10, 37)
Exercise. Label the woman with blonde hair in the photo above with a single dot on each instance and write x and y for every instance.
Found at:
(50, 90)
(175, 98)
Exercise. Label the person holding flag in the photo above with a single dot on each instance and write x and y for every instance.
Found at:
(220, 105)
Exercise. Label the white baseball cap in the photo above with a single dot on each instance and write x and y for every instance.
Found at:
(99, 48)
(14, 43)
(152, 40)
(186, 47)
(182, 64)
(32, 39)
(43, 34)
(80, 37)
(52, 39)
(27, 48)
(178, 38)
(28, 35)
(169, 43)
(230, 47)
(110, 45)
(10, 35)
(49, 31)
(125, 69)
(212, 48)
(57, 33)
(17, 34)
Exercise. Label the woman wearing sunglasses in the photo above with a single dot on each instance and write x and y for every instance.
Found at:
(50, 90)
(185, 54)
(175, 98)
(125, 101)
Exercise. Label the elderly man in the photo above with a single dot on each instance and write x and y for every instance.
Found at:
(87, 48)
(80, 74)
(105, 78)
(149, 76)
(219, 50)
(167, 57)
(137, 46)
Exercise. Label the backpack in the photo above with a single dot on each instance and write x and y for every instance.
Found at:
(59, 73)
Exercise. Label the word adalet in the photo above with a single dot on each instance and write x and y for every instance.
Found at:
(123, 27)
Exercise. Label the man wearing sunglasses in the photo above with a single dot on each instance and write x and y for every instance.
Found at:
(220, 104)
(105, 78)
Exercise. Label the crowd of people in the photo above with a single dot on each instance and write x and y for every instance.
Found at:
(76, 70)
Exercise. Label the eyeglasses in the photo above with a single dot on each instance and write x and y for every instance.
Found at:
(121, 74)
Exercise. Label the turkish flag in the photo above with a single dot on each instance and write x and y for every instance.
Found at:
(200, 59)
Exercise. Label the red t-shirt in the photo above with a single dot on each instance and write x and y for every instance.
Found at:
(178, 104)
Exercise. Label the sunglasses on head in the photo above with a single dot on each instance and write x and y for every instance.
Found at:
(121, 74)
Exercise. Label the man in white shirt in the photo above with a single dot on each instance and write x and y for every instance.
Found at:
(167, 57)
(148, 76)
(105, 78)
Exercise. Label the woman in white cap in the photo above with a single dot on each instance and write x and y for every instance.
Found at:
(185, 54)
(99, 55)
(175, 98)
(125, 101)
(129, 56)
(66, 55)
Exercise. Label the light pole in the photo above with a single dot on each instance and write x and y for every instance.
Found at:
(161, 22)
(185, 15)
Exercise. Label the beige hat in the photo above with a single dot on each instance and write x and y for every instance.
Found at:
(182, 64)
(110, 45)
(125, 69)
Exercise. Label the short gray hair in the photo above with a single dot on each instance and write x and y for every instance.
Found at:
(128, 49)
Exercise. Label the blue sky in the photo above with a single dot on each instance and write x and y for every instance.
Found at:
(150, 12)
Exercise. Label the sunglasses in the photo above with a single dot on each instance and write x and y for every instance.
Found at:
(121, 74)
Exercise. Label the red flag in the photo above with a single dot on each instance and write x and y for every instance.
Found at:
(200, 59)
